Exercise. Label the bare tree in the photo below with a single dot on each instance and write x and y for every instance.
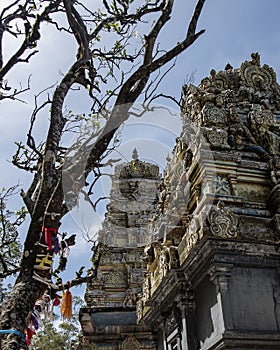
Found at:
(97, 66)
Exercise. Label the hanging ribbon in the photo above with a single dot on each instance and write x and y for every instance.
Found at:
(66, 304)
(48, 235)
(56, 301)
(56, 247)
(29, 335)
(35, 322)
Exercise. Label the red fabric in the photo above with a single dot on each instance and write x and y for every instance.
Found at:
(56, 301)
(48, 235)
(29, 335)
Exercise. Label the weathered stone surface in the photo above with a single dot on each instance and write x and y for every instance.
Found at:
(227, 252)
(211, 267)
(110, 320)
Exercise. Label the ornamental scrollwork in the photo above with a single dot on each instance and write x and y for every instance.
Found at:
(223, 222)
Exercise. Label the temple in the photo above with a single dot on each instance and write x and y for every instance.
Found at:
(190, 259)
(110, 318)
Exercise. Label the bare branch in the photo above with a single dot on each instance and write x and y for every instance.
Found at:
(196, 14)
(15, 93)
(91, 273)
(31, 37)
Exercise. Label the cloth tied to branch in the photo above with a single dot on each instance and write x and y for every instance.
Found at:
(49, 233)
(66, 305)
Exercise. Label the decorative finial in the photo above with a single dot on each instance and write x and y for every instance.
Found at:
(256, 59)
(168, 157)
(135, 154)
(228, 66)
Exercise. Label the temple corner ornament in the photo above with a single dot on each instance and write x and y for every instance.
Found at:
(223, 222)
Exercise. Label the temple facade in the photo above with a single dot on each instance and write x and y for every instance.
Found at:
(209, 269)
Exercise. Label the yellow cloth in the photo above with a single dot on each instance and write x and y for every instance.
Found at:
(66, 305)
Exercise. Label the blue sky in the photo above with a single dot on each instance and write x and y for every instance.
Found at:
(234, 29)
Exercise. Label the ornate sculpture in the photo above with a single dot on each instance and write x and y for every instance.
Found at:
(223, 222)
(130, 343)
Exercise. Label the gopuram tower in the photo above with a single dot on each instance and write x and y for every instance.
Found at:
(211, 279)
(213, 275)
(109, 321)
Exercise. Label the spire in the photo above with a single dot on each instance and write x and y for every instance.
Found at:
(135, 154)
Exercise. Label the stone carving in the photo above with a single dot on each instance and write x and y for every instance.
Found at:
(260, 116)
(160, 259)
(115, 277)
(140, 306)
(173, 257)
(191, 236)
(225, 99)
(130, 298)
(274, 166)
(213, 115)
(223, 222)
(208, 90)
(239, 132)
(220, 80)
(216, 136)
(221, 185)
(138, 169)
(260, 121)
(130, 343)
(180, 148)
(146, 286)
(168, 259)
(133, 202)
(106, 256)
(163, 264)
(258, 82)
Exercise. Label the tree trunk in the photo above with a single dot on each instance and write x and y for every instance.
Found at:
(16, 309)
(27, 290)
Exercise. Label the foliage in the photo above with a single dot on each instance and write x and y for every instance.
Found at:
(10, 247)
(64, 336)
(5, 289)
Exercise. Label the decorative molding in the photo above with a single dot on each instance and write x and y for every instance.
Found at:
(220, 274)
(130, 343)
